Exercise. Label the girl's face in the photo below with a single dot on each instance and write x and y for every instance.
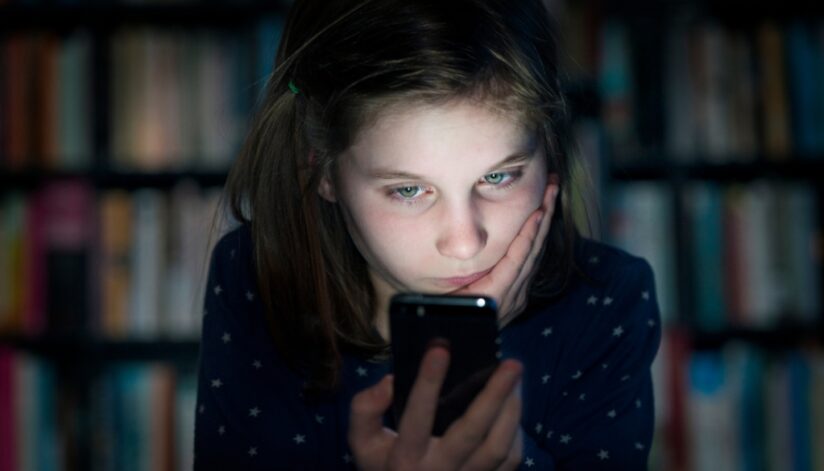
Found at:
(433, 196)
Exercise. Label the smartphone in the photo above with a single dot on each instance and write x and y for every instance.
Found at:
(466, 325)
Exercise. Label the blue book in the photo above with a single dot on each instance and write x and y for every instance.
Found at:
(269, 32)
(707, 241)
(805, 90)
(751, 410)
(799, 379)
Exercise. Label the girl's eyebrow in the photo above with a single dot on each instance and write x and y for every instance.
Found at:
(388, 174)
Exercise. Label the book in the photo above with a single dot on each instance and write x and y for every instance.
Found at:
(68, 208)
(775, 115)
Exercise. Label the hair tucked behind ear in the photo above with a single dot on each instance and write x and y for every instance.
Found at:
(352, 60)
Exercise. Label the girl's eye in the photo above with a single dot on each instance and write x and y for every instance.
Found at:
(408, 192)
(495, 178)
(501, 180)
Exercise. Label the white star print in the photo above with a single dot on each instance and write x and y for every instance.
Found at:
(547, 332)
(611, 414)
(254, 412)
(497, 340)
(577, 375)
(549, 434)
(545, 378)
(637, 403)
(347, 458)
(639, 446)
(226, 337)
(565, 393)
(592, 300)
(538, 427)
(645, 295)
(593, 260)
(582, 396)
(221, 430)
(499, 355)
(603, 454)
(218, 289)
(529, 462)
(361, 371)
(253, 451)
(651, 323)
(201, 409)
(565, 439)
(232, 253)
(299, 439)
(605, 366)
(624, 378)
(618, 331)
(250, 296)
(607, 301)
(257, 364)
(216, 383)
(319, 418)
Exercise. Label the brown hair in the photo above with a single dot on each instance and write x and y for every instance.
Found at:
(351, 60)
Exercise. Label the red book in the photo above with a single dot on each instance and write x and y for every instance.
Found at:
(8, 460)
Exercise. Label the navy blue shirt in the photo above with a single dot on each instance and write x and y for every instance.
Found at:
(587, 388)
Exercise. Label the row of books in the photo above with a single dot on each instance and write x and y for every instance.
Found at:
(174, 99)
(726, 95)
(141, 417)
(740, 407)
(117, 264)
(753, 249)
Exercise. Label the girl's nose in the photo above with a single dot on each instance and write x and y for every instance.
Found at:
(463, 236)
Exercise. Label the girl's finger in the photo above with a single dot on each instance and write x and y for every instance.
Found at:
(498, 281)
(548, 207)
(470, 431)
(516, 452)
(415, 428)
(499, 445)
(366, 431)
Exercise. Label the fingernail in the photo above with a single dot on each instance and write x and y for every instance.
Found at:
(540, 218)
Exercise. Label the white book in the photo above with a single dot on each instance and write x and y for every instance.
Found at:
(149, 260)
(75, 104)
(715, 87)
(641, 224)
(679, 104)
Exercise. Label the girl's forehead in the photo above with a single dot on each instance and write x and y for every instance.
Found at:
(410, 121)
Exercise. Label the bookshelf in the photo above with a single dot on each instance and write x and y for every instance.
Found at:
(113, 347)
(740, 373)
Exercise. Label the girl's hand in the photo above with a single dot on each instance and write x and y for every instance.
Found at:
(486, 437)
(508, 281)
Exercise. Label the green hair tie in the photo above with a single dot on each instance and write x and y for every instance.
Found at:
(295, 90)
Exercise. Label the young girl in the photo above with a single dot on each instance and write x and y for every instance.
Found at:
(412, 145)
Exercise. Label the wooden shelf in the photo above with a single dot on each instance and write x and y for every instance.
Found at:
(793, 169)
(30, 179)
(71, 348)
(115, 14)
(785, 337)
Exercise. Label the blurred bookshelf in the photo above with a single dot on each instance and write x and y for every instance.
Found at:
(699, 124)
(706, 150)
(118, 122)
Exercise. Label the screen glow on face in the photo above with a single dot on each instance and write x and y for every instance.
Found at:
(434, 193)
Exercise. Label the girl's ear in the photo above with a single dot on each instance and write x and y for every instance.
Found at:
(326, 189)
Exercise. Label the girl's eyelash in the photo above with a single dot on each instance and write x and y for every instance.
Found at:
(514, 176)
(394, 192)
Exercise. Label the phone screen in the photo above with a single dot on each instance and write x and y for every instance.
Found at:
(466, 325)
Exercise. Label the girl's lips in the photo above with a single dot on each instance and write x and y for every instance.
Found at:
(459, 281)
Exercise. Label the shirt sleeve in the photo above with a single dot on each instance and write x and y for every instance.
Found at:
(593, 399)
